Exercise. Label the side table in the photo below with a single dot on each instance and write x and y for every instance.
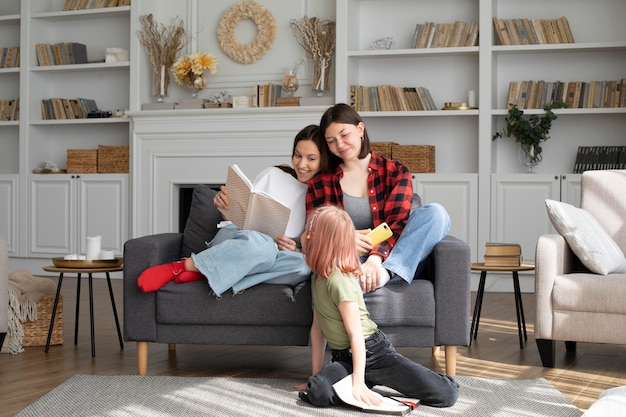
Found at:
(519, 307)
(90, 272)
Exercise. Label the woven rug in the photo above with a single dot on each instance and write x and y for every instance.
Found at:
(131, 395)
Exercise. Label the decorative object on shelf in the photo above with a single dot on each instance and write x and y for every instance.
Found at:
(116, 55)
(530, 132)
(223, 99)
(266, 32)
(290, 82)
(317, 37)
(162, 44)
(383, 43)
(190, 70)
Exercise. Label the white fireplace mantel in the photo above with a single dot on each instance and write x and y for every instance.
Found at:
(174, 148)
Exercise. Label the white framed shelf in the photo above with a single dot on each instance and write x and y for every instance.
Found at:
(94, 66)
(594, 46)
(8, 18)
(421, 113)
(94, 121)
(82, 14)
(386, 53)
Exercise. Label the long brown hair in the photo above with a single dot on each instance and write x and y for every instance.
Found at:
(329, 242)
(343, 113)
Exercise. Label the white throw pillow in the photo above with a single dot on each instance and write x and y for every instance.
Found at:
(588, 240)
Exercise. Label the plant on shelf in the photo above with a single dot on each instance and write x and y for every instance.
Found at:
(529, 132)
(189, 70)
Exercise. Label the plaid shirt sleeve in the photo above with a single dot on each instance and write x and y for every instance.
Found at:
(390, 190)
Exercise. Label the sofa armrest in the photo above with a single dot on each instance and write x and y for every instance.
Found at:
(553, 257)
(449, 268)
(139, 307)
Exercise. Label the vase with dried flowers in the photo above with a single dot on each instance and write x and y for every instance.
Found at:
(190, 70)
(290, 83)
(317, 37)
(162, 44)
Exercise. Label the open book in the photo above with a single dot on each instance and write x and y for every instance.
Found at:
(274, 204)
(396, 406)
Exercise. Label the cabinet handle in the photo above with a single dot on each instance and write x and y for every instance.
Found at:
(556, 177)
(564, 177)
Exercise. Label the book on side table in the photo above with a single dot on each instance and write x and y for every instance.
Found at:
(503, 254)
(395, 406)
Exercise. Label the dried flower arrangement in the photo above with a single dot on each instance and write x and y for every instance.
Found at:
(317, 37)
(189, 70)
(162, 45)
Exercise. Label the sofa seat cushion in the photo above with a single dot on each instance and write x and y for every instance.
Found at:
(403, 304)
(590, 293)
(193, 304)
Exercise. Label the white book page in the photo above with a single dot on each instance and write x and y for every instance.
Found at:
(389, 406)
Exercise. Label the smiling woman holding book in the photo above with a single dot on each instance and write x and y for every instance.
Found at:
(238, 259)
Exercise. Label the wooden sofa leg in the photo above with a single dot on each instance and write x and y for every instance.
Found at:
(142, 358)
(171, 347)
(450, 352)
(547, 352)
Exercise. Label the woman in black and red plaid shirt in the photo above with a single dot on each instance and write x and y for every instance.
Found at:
(373, 190)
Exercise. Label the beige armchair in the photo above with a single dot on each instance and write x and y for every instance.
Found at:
(573, 304)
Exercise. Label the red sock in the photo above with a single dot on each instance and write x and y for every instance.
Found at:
(157, 276)
(189, 276)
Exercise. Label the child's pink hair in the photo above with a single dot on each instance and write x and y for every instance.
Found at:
(330, 242)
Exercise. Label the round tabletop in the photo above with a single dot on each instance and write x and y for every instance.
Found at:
(52, 268)
(480, 266)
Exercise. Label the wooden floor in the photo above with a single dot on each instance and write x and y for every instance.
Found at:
(495, 354)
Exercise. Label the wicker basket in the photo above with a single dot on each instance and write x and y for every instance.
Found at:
(112, 159)
(417, 158)
(82, 160)
(383, 149)
(36, 332)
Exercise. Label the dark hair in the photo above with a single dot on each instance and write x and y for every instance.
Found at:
(343, 113)
(312, 132)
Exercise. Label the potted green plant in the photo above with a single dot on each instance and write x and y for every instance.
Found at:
(529, 132)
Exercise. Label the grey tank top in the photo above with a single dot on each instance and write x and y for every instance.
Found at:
(358, 208)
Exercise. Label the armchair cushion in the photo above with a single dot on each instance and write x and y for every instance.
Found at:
(586, 237)
(202, 222)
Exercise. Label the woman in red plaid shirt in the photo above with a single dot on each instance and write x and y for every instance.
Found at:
(373, 190)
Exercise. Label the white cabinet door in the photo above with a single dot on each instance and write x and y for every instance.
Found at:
(103, 202)
(458, 194)
(65, 209)
(518, 212)
(8, 211)
(52, 215)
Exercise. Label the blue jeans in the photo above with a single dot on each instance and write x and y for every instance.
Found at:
(239, 259)
(426, 226)
(383, 366)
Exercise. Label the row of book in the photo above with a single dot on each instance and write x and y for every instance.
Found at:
(264, 95)
(599, 157)
(10, 109)
(503, 254)
(62, 53)
(532, 31)
(576, 94)
(445, 35)
(10, 57)
(64, 108)
(390, 98)
(93, 4)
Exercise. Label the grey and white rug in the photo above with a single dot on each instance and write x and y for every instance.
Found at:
(165, 396)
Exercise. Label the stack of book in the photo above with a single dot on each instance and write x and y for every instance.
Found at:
(532, 31)
(530, 94)
(62, 53)
(445, 35)
(600, 157)
(10, 109)
(503, 254)
(63, 108)
(10, 57)
(390, 98)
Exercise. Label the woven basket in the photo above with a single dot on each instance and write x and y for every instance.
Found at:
(383, 149)
(36, 332)
(112, 159)
(417, 158)
(82, 160)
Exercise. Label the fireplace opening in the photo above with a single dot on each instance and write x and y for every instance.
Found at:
(185, 195)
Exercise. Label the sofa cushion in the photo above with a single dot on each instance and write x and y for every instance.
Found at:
(402, 304)
(586, 237)
(202, 222)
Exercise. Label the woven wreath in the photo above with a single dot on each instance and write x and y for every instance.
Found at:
(266, 32)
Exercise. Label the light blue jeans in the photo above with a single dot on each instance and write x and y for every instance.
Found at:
(426, 226)
(240, 259)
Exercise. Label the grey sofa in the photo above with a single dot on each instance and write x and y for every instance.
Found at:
(432, 311)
